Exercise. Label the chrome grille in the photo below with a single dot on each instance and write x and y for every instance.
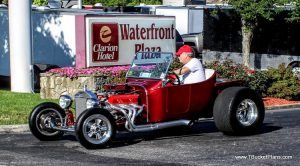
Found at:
(80, 100)
(80, 105)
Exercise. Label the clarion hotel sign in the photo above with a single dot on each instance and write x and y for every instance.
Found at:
(105, 42)
(114, 41)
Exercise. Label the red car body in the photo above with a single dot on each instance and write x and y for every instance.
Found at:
(151, 99)
(172, 101)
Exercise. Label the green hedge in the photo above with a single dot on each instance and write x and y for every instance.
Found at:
(278, 82)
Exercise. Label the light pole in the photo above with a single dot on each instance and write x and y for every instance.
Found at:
(20, 46)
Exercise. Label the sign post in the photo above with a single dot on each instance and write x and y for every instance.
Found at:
(20, 44)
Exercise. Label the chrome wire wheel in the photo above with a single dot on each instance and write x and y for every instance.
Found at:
(46, 119)
(247, 112)
(97, 129)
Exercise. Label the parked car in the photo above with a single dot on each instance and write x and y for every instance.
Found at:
(195, 40)
(3, 6)
(151, 99)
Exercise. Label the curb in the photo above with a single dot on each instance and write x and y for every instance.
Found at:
(13, 129)
(287, 106)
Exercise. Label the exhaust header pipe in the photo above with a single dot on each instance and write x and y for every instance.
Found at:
(163, 125)
(130, 119)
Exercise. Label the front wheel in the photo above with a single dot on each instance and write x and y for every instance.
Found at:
(95, 128)
(238, 111)
(43, 117)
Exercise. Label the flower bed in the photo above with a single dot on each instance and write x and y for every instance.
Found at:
(71, 72)
(69, 80)
(269, 101)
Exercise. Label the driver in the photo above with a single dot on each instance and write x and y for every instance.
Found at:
(192, 71)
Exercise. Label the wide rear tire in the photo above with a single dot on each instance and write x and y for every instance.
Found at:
(95, 128)
(238, 111)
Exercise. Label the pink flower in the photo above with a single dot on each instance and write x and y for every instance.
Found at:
(72, 72)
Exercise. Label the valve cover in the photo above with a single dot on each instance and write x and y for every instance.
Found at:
(123, 99)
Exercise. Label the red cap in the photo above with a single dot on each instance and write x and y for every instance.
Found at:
(184, 48)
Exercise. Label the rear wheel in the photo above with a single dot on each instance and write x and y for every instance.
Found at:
(238, 111)
(43, 117)
(95, 128)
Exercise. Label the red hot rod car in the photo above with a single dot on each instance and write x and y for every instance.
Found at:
(151, 99)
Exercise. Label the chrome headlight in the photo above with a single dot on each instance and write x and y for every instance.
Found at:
(90, 103)
(65, 101)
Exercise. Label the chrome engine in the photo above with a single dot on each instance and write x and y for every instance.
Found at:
(126, 104)
(122, 106)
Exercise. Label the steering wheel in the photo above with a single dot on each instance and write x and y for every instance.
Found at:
(173, 78)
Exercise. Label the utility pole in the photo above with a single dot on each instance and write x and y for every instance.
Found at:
(20, 46)
(79, 4)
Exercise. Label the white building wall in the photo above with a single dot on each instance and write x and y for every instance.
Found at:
(53, 39)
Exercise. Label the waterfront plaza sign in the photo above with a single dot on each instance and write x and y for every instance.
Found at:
(114, 40)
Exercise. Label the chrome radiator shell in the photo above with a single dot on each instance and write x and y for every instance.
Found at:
(80, 100)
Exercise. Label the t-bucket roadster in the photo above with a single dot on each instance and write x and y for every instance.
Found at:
(151, 99)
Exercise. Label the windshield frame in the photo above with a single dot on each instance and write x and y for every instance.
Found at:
(163, 73)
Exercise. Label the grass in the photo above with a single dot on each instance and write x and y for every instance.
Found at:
(16, 107)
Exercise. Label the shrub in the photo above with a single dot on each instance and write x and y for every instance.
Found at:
(232, 71)
(259, 82)
(279, 83)
(175, 65)
(40, 2)
(283, 84)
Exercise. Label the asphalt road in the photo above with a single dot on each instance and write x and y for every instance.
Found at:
(277, 143)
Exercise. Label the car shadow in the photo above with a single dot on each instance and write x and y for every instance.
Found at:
(69, 137)
(198, 129)
(268, 128)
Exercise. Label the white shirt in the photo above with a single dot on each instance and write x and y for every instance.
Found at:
(196, 73)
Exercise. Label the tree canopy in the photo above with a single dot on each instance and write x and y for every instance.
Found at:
(251, 10)
(3, 1)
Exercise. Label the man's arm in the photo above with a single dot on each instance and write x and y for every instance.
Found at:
(182, 70)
